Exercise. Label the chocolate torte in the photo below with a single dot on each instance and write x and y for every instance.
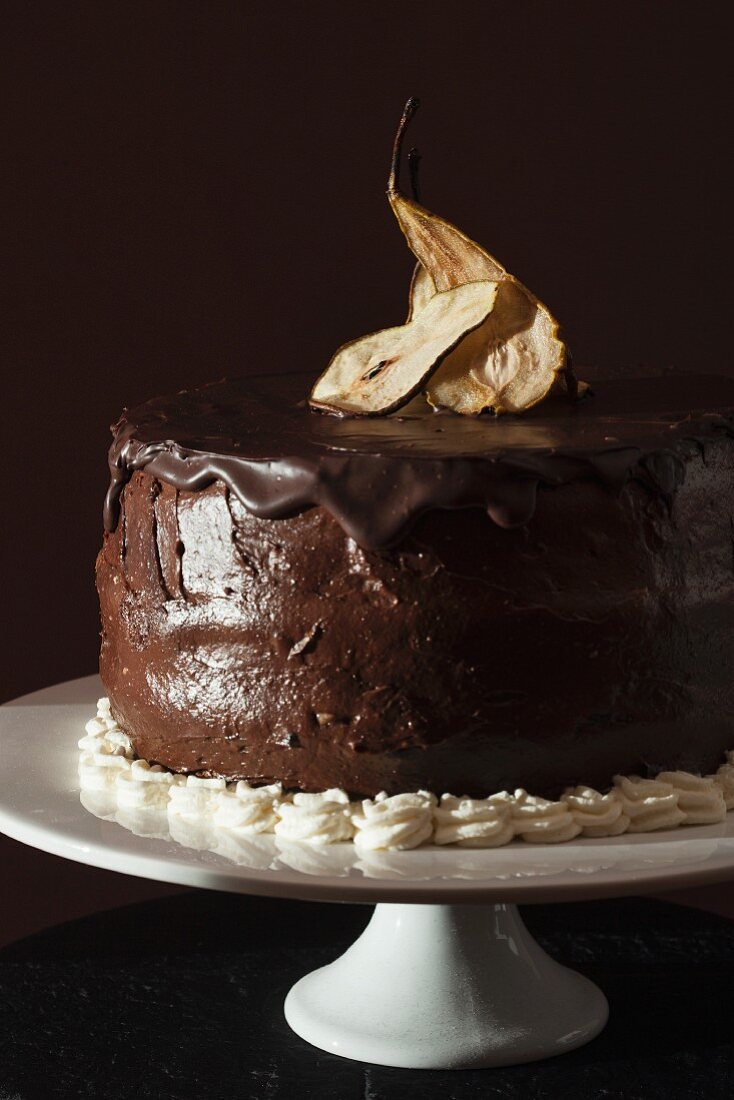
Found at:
(423, 600)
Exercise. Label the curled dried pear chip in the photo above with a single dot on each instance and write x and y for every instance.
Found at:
(510, 363)
(379, 373)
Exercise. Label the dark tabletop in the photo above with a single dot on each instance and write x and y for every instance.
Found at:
(183, 997)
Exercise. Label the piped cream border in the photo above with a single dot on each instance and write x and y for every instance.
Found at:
(404, 821)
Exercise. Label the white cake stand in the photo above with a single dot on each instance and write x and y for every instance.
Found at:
(444, 976)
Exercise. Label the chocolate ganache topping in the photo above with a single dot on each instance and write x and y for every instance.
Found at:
(376, 476)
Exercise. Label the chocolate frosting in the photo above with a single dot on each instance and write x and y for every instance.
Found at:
(288, 596)
(377, 475)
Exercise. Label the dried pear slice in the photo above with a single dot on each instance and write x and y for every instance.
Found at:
(508, 364)
(448, 255)
(523, 353)
(422, 289)
(379, 373)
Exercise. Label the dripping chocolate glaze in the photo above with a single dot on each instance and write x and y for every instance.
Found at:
(375, 476)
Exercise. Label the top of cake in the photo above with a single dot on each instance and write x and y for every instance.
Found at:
(375, 475)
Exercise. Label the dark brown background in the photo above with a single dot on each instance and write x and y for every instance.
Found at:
(197, 189)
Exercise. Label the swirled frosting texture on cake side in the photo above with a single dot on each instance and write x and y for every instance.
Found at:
(325, 603)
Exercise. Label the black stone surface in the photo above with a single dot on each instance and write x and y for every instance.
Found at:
(183, 998)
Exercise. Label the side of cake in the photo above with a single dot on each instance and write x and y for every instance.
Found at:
(582, 629)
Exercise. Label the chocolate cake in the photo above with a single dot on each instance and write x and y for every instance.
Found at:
(423, 600)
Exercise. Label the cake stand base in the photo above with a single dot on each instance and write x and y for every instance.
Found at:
(446, 987)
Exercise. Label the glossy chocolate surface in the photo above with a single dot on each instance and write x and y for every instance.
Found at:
(375, 475)
(326, 602)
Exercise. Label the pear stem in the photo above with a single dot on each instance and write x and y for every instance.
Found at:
(414, 163)
(409, 110)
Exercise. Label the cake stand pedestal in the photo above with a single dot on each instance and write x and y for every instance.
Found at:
(445, 975)
(446, 987)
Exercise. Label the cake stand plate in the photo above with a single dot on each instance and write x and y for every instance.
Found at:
(444, 976)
